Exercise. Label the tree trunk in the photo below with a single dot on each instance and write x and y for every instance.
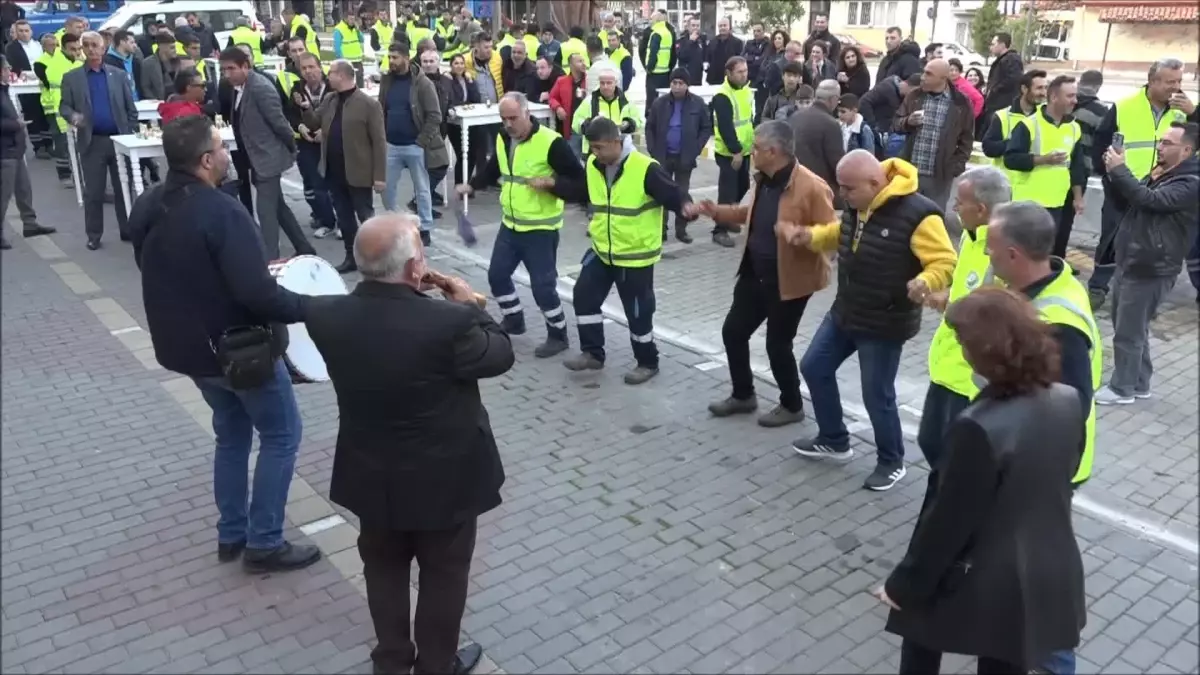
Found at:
(565, 14)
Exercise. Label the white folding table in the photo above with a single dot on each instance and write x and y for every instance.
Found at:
(147, 112)
(479, 114)
(131, 150)
(21, 87)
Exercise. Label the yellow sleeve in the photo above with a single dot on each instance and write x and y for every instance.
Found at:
(825, 237)
(931, 244)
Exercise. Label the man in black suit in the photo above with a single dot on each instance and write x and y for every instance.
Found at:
(415, 457)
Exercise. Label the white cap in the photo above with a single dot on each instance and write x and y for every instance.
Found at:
(180, 21)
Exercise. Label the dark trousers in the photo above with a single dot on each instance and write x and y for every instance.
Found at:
(756, 299)
(937, 189)
(941, 408)
(436, 176)
(654, 82)
(40, 124)
(483, 141)
(57, 145)
(1066, 223)
(682, 175)
(1106, 249)
(316, 192)
(15, 185)
(353, 205)
(537, 250)
(917, 660)
(444, 560)
(1060, 238)
(878, 363)
(245, 193)
(99, 163)
(760, 100)
(732, 184)
(1193, 265)
(274, 215)
(635, 286)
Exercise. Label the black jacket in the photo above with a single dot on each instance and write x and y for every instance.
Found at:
(562, 160)
(415, 450)
(757, 53)
(696, 131)
(1159, 224)
(717, 52)
(204, 271)
(208, 40)
(858, 81)
(462, 91)
(814, 75)
(18, 60)
(993, 568)
(833, 46)
(523, 79)
(993, 142)
(902, 62)
(12, 128)
(878, 106)
(690, 55)
(1003, 82)
(818, 143)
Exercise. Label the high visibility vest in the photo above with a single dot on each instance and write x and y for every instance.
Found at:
(595, 106)
(446, 31)
(310, 36)
(386, 34)
(288, 81)
(522, 208)
(416, 33)
(626, 226)
(1046, 185)
(619, 55)
(603, 35)
(507, 41)
(1007, 119)
(57, 65)
(531, 46)
(947, 365)
(179, 49)
(248, 36)
(573, 46)
(666, 43)
(1135, 120)
(743, 120)
(351, 42)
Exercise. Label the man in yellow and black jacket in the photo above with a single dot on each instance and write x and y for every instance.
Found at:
(656, 50)
(628, 192)
(733, 139)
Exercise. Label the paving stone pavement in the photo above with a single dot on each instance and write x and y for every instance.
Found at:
(637, 533)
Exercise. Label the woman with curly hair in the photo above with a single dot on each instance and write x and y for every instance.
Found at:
(993, 569)
(779, 40)
(852, 72)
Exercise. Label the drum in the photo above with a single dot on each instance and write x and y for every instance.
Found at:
(306, 275)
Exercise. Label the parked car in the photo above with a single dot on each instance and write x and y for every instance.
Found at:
(218, 15)
(47, 16)
(954, 50)
(867, 52)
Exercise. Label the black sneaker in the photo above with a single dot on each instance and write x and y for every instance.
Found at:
(348, 265)
(38, 230)
(437, 199)
(466, 659)
(282, 558)
(815, 448)
(230, 552)
(733, 406)
(426, 238)
(884, 477)
(780, 417)
(681, 234)
(513, 324)
(93, 244)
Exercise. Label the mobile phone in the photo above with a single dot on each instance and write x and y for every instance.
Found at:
(1118, 142)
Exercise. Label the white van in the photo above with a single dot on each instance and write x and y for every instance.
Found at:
(218, 15)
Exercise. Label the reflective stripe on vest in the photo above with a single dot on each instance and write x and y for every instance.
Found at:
(947, 365)
(1006, 117)
(743, 120)
(1047, 185)
(626, 226)
(601, 108)
(666, 44)
(1135, 120)
(351, 42)
(522, 207)
(310, 35)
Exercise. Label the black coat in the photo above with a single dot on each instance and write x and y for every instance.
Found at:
(993, 568)
(18, 60)
(415, 450)
(903, 62)
(523, 79)
(1003, 83)
(689, 55)
(833, 45)
(13, 136)
(717, 53)
(858, 81)
(818, 143)
(879, 105)
(757, 53)
(463, 91)
(1159, 223)
(697, 128)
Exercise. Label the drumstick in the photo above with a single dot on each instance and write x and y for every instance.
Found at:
(443, 282)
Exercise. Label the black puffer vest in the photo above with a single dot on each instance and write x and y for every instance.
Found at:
(872, 294)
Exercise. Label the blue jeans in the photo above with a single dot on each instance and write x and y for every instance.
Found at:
(411, 157)
(1061, 662)
(273, 411)
(878, 361)
(316, 193)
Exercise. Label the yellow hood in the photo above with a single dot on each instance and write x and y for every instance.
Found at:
(902, 180)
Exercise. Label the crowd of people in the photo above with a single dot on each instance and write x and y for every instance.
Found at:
(865, 181)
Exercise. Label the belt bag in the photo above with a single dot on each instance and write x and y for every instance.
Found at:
(246, 355)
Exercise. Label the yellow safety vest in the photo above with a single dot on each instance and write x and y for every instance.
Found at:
(288, 82)
(507, 41)
(416, 33)
(1135, 120)
(446, 31)
(626, 226)
(351, 42)
(310, 36)
(616, 110)
(531, 46)
(248, 36)
(666, 43)
(1046, 185)
(603, 35)
(1007, 118)
(56, 66)
(618, 56)
(947, 365)
(573, 46)
(386, 34)
(522, 207)
(179, 49)
(743, 120)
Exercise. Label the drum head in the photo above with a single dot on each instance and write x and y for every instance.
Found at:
(307, 275)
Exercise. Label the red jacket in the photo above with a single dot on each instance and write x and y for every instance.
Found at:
(967, 89)
(562, 95)
(169, 110)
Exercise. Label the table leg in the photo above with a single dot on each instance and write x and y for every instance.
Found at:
(16, 99)
(73, 157)
(123, 176)
(466, 152)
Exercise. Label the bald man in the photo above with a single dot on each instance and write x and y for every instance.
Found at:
(893, 252)
(940, 126)
(415, 459)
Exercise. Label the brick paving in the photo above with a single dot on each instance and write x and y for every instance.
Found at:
(637, 533)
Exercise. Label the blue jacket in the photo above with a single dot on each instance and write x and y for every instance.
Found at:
(697, 128)
(204, 271)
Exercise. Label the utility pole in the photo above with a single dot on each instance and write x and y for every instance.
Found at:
(1025, 48)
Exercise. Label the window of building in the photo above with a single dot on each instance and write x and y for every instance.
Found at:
(871, 14)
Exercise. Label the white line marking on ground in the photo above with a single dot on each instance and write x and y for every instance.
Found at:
(122, 331)
(321, 525)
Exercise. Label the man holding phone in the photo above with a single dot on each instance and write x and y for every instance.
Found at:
(1140, 119)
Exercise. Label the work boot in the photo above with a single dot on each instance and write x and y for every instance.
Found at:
(780, 417)
(733, 406)
(722, 237)
(640, 374)
(583, 361)
(555, 344)
(681, 233)
(282, 558)
(513, 324)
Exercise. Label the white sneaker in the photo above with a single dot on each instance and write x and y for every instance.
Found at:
(1142, 395)
(1106, 396)
(323, 232)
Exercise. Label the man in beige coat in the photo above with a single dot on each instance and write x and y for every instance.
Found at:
(349, 126)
